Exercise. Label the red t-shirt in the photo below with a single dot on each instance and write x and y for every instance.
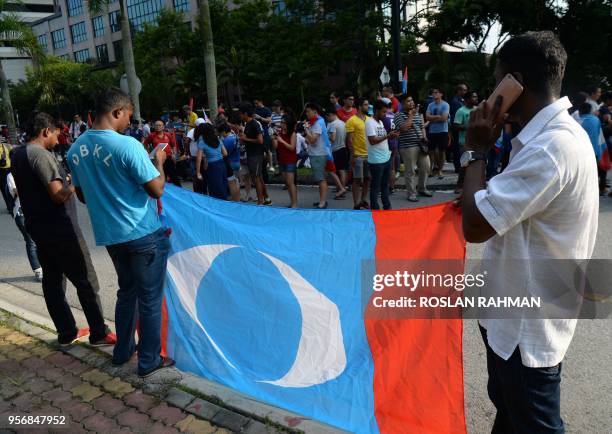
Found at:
(395, 104)
(153, 140)
(343, 115)
(284, 154)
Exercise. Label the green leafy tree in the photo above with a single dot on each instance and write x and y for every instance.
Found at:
(60, 87)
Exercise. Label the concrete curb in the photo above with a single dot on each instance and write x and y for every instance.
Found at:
(221, 405)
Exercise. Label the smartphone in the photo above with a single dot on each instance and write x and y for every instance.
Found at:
(510, 90)
(161, 147)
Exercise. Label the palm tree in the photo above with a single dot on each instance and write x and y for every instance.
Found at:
(209, 56)
(14, 33)
(95, 7)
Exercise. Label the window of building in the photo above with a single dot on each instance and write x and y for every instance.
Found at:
(98, 26)
(78, 32)
(113, 21)
(42, 41)
(74, 7)
(64, 57)
(118, 49)
(82, 56)
(58, 38)
(141, 12)
(181, 5)
(102, 53)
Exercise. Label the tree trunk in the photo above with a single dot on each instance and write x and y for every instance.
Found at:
(128, 59)
(209, 57)
(8, 106)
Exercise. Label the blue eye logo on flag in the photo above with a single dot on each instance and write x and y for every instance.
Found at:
(267, 301)
(320, 355)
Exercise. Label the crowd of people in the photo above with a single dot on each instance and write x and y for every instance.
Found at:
(116, 166)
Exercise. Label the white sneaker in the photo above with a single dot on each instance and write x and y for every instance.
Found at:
(38, 274)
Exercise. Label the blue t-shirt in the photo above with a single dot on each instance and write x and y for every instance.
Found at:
(212, 154)
(231, 146)
(438, 110)
(592, 126)
(110, 169)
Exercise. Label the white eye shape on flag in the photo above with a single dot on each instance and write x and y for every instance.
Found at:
(320, 355)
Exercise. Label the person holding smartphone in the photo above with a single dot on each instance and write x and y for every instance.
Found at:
(114, 177)
(158, 137)
(543, 206)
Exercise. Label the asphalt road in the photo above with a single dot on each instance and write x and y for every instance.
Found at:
(587, 378)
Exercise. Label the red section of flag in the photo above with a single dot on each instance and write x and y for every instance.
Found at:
(89, 121)
(164, 329)
(418, 365)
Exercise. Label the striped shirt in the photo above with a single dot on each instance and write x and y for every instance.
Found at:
(276, 119)
(413, 136)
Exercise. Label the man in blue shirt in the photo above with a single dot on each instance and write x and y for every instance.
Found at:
(437, 115)
(592, 125)
(113, 175)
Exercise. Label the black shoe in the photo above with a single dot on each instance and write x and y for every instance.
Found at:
(165, 362)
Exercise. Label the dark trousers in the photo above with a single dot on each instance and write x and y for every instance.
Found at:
(141, 270)
(70, 259)
(5, 195)
(30, 244)
(171, 171)
(379, 173)
(528, 400)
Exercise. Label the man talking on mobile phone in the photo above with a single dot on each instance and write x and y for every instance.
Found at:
(113, 175)
(544, 206)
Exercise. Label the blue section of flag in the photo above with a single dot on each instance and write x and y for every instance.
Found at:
(249, 310)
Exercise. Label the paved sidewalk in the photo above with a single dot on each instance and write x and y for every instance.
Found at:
(37, 379)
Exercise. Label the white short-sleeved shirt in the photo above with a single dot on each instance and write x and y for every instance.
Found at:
(544, 205)
(339, 129)
(12, 188)
(379, 152)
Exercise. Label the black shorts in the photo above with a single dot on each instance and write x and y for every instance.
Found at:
(438, 141)
(255, 164)
(341, 159)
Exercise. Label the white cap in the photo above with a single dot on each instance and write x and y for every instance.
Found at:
(199, 121)
(386, 100)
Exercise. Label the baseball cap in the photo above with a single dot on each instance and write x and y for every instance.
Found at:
(199, 121)
(386, 100)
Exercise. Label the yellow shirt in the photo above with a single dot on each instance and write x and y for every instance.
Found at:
(4, 152)
(356, 126)
(191, 121)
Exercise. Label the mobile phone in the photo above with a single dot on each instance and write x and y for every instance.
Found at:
(510, 90)
(161, 147)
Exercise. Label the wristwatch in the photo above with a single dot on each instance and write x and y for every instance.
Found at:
(469, 156)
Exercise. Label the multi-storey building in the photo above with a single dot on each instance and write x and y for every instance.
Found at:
(28, 11)
(73, 33)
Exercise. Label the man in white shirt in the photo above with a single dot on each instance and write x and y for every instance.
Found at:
(77, 127)
(530, 212)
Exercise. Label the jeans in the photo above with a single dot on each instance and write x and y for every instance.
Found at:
(70, 258)
(414, 157)
(141, 270)
(30, 244)
(528, 400)
(380, 173)
(5, 194)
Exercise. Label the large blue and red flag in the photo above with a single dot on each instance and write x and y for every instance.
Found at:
(269, 302)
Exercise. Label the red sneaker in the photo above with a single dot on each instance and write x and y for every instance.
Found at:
(109, 339)
(81, 333)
